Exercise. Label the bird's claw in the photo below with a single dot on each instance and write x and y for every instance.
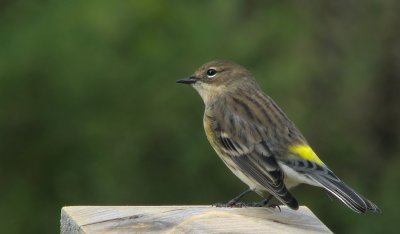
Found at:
(229, 204)
(274, 206)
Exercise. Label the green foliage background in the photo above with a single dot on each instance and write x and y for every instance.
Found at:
(90, 113)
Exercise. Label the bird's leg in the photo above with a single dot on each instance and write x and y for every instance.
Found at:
(259, 204)
(234, 202)
(263, 203)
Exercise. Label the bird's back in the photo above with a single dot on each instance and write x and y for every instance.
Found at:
(257, 140)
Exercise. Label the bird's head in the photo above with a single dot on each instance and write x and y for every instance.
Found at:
(217, 78)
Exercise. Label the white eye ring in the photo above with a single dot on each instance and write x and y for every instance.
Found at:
(211, 72)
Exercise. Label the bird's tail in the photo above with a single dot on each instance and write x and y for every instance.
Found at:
(291, 202)
(344, 193)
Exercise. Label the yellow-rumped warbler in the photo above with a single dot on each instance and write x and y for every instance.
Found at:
(258, 142)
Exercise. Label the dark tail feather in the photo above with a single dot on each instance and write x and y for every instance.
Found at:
(293, 204)
(345, 194)
(290, 201)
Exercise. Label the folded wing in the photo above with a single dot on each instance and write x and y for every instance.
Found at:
(257, 162)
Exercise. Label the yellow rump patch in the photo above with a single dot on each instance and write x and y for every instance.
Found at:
(305, 151)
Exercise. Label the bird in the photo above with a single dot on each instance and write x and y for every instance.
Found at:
(258, 142)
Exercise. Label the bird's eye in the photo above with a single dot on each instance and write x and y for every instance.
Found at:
(211, 72)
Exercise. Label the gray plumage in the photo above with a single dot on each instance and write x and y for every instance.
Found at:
(258, 142)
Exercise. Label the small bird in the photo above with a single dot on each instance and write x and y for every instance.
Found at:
(258, 142)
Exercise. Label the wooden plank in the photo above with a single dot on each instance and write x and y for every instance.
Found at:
(188, 219)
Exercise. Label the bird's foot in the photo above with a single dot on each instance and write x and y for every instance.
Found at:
(230, 204)
(252, 204)
(263, 203)
(274, 206)
(248, 204)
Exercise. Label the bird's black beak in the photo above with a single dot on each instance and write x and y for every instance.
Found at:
(188, 80)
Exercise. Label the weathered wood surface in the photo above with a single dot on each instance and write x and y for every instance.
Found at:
(188, 219)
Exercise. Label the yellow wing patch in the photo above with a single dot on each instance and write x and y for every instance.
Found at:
(305, 151)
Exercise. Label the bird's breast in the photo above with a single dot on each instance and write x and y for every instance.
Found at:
(209, 128)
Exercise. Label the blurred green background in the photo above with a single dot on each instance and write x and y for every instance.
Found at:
(90, 113)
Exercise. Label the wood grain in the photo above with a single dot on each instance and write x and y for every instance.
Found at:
(188, 219)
